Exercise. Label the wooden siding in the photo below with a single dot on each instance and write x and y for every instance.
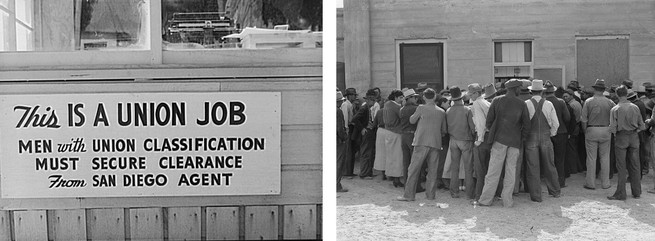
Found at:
(470, 27)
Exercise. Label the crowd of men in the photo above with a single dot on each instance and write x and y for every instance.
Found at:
(492, 142)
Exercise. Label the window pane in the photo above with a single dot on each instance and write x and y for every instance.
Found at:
(421, 63)
(77, 25)
(528, 51)
(24, 41)
(498, 52)
(24, 11)
(214, 24)
(4, 3)
(4, 35)
(112, 24)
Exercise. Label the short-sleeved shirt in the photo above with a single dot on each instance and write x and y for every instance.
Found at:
(596, 111)
(626, 117)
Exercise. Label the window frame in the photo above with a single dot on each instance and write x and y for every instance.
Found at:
(519, 64)
(155, 56)
(421, 41)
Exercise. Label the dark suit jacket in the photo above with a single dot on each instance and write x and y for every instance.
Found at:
(508, 121)
(562, 112)
(360, 120)
(342, 136)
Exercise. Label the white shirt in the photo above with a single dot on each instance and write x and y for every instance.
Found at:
(549, 112)
(374, 110)
(347, 109)
(480, 108)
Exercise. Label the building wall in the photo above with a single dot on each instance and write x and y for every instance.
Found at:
(469, 28)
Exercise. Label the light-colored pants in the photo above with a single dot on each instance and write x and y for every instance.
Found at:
(651, 141)
(461, 152)
(501, 156)
(380, 150)
(420, 155)
(394, 155)
(598, 142)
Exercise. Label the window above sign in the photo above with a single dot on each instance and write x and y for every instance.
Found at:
(512, 59)
(129, 32)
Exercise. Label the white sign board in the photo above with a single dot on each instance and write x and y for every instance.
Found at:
(140, 144)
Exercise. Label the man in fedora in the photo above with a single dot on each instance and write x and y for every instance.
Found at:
(431, 126)
(408, 129)
(625, 122)
(461, 130)
(363, 125)
(560, 139)
(595, 124)
(352, 146)
(342, 138)
(509, 124)
(481, 150)
(539, 147)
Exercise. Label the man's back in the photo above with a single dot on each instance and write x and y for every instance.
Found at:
(508, 121)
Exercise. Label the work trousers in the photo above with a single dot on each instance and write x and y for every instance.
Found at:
(461, 151)
(351, 151)
(445, 144)
(341, 159)
(597, 145)
(627, 141)
(481, 164)
(644, 151)
(407, 148)
(572, 157)
(420, 155)
(539, 153)
(367, 151)
(559, 143)
(502, 156)
(520, 171)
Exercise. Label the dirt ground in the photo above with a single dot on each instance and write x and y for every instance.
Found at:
(369, 212)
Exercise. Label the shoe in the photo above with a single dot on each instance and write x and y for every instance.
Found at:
(557, 195)
(636, 197)
(397, 183)
(342, 190)
(404, 199)
(366, 177)
(588, 187)
(536, 200)
(420, 190)
(454, 195)
(614, 198)
(651, 191)
(476, 203)
(608, 187)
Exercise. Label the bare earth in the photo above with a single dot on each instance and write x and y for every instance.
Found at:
(369, 212)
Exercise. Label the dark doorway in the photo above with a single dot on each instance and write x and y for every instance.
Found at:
(421, 63)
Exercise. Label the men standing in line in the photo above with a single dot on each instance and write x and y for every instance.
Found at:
(461, 130)
(351, 146)
(595, 124)
(342, 137)
(539, 147)
(407, 129)
(363, 123)
(625, 122)
(431, 126)
(509, 124)
(480, 108)
(560, 139)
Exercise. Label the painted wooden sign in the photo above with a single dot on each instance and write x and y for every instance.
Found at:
(140, 144)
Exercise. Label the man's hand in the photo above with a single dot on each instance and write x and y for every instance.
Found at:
(477, 143)
(364, 131)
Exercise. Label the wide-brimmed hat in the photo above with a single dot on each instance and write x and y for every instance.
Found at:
(512, 83)
(649, 104)
(350, 91)
(489, 91)
(537, 85)
(599, 84)
(340, 96)
(371, 94)
(631, 94)
(420, 87)
(475, 87)
(409, 93)
(549, 87)
(627, 83)
(455, 93)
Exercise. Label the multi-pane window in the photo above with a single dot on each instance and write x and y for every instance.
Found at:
(16, 19)
(512, 59)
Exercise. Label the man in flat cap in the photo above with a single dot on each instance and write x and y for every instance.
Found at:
(509, 124)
